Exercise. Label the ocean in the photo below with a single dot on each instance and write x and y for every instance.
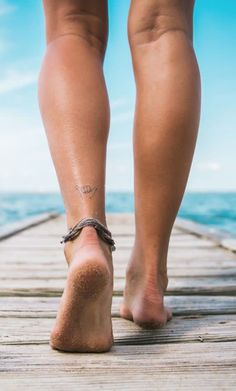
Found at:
(217, 210)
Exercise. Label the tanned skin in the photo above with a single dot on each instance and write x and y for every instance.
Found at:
(75, 110)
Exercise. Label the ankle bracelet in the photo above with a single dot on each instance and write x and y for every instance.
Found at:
(102, 231)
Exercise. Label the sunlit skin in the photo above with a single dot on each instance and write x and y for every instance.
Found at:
(75, 111)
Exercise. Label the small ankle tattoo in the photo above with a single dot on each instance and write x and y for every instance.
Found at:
(86, 191)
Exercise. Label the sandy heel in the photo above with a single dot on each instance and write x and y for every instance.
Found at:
(83, 322)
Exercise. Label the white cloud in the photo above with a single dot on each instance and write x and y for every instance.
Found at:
(209, 166)
(26, 165)
(25, 162)
(15, 79)
(119, 146)
(4, 45)
(120, 102)
(6, 8)
(123, 117)
(119, 173)
(121, 110)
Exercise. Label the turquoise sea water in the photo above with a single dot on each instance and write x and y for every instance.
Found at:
(217, 210)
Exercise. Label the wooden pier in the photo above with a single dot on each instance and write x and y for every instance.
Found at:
(195, 351)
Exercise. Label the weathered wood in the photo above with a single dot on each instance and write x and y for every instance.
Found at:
(98, 378)
(23, 238)
(123, 231)
(56, 272)
(121, 242)
(121, 255)
(203, 357)
(46, 307)
(229, 243)
(201, 338)
(14, 228)
(219, 237)
(214, 328)
(177, 285)
(180, 266)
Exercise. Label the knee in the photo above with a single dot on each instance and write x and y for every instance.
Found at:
(89, 26)
(148, 21)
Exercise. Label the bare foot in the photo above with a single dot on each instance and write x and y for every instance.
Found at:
(83, 322)
(143, 300)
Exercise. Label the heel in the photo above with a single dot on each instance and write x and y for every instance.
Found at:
(89, 279)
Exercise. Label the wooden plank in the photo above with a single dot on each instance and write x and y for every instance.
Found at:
(220, 237)
(98, 378)
(202, 356)
(229, 243)
(52, 233)
(19, 226)
(118, 222)
(213, 328)
(22, 238)
(46, 307)
(177, 285)
(54, 255)
(59, 264)
(202, 230)
(121, 242)
(17, 272)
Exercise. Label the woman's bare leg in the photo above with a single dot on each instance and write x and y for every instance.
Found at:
(75, 111)
(165, 131)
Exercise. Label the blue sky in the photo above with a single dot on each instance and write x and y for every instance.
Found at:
(25, 164)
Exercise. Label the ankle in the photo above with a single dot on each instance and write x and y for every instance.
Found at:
(88, 238)
(151, 274)
(72, 219)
